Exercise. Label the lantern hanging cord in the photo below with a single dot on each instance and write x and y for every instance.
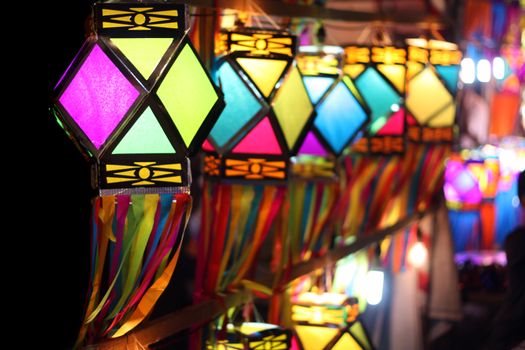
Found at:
(259, 9)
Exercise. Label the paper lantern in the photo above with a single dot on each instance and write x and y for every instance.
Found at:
(432, 77)
(379, 77)
(253, 336)
(268, 111)
(328, 321)
(461, 186)
(137, 101)
(340, 111)
(137, 98)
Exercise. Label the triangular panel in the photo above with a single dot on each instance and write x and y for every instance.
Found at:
(265, 73)
(312, 146)
(317, 87)
(144, 53)
(394, 73)
(260, 140)
(394, 124)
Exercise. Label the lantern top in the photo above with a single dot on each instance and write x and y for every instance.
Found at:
(258, 42)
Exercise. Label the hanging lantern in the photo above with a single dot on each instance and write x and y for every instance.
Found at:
(432, 78)
(328, 321)
(461, 187)
(268, 111)
(378, 74)
(340, 111)
(137, 101)
(253, 336)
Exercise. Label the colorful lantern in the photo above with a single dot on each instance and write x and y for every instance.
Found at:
(340, 111)
(461, 187)
(138, 102)
(379, 76)
(328, 321)
(432, 77)
(253, 336)
(268, 110)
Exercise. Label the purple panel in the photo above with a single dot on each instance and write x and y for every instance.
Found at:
(312, 146)
(98, 97)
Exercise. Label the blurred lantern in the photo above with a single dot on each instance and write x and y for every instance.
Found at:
(253, 336)
(268, 111)
(328, 321)
(418, 253)
(461, 187)
(138, 102)
(432, 77)
(379, 77)
(340, 111)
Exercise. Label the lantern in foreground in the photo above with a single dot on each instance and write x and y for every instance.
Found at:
(253, 336)
(379, 76)
(340, 111)
(268, 110)
(137, 101)
(328, 321)
(432, 77)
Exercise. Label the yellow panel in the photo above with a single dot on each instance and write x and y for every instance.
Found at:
(108, 12)
(176, 166)
(427, 96)
(265, 73)
(353, 70)
(112, 180)
(173, 13)
(125, 18)
(126, 173)
(413, 69)
(160, 173)
(395, 73)
(238, 37)
(444, 118)
(292, 107)
(145, 163)
(285, 41)
(157, 19)
(315, 338)
(173, 25)
(346, 342)
(175, 179)
(141, 9)
(354, 90)
(106, 24)
(139, 28)
(142, 183)
(113, 167)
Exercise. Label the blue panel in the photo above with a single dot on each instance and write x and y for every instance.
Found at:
(241, 105)
(450, 75)
(317, 86)
(378, 94)
(339, 117)
(465, 229)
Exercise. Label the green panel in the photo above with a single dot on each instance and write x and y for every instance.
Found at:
(188, 94)
(358, 331)
(144, 53)
(292, 107)
(145, 137)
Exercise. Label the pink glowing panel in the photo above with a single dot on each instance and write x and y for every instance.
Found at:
(260, 140)
(312, 146)
(460, 184)
(207, 146)
(394, 125)
(98, 97)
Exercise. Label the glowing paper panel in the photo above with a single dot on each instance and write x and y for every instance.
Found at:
(207, 146)
(339, 117)
(317, 87)
(394, 125)
(378, 94)
(261, 134)
(436, 111)
(145, 137)
(292, 107)
(359, 333)
(315, 338)
(264, 72)
(394, 73)
(143, 53)
(187, 94)
(346, 342)
(98, 97)
(235, 115)
(312, 146)
(450, 75)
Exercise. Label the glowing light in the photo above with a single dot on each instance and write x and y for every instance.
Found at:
(468, 71)
(498, 68)
(394, 107)
(483, 70)
(418, 255)
(374, 286)
(515, 201)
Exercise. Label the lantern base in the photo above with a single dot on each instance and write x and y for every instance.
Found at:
(253, 168)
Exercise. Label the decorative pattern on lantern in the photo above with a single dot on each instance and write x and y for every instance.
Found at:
(137, 101)
(340, 111)
(254, 336)
(379, 77)
(267, 109)
(432, 77)
(328, 321)
(137, 98)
